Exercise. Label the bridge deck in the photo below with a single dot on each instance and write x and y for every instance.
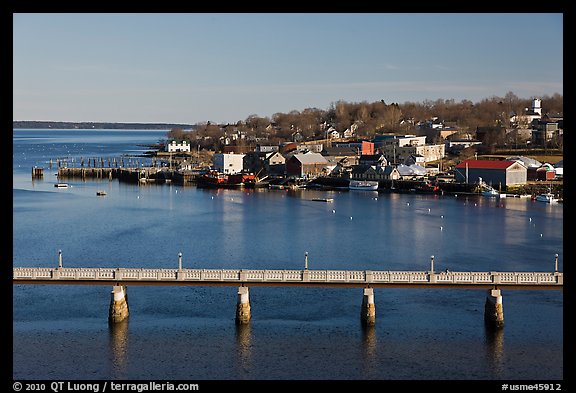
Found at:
(319, 278)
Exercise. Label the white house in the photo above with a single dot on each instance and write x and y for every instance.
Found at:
(228, 163)
(173, 146)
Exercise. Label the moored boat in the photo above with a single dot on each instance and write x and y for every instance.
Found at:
(547, 197)
(363, 185)
(241, 180)
(212, 179)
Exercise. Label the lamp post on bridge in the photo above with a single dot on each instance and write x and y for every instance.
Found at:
(431, 274)
(180, 273)
(556, 264)
(306, 273)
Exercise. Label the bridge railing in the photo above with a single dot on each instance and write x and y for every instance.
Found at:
(313, 276)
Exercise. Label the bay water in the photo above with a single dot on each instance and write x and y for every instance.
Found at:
(189, 333)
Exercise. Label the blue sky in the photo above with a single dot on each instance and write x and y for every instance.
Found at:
(191, 68)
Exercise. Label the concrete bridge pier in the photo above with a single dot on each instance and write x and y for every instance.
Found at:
(243, 306)
(493, 311)
(368, 310)
(118, 304)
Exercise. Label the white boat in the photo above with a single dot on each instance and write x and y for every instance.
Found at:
(547, 197)
(363, 185)
(61, 185)
(490, 192)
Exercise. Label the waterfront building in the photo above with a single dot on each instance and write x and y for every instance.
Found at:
(306, 165)
(493, 172)
(228, 163)
(176, 146)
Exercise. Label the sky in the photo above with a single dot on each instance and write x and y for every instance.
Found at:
(190, 68)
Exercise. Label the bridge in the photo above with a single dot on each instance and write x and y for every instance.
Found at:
(120, 278)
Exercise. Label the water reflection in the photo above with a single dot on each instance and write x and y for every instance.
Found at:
(495, 348)
(244, 346)
(119, 349)
(369, 350)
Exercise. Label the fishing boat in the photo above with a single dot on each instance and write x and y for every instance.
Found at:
(489, 191)
(241, 180)
(212, 179)
(363, 185)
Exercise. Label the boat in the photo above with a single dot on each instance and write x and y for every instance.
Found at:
(241, 179)
(427, 188)
(547, 197)
(490, 192)
(212, 179)
(322, 199)
(61, 185)
(101, 193)
(363, 185)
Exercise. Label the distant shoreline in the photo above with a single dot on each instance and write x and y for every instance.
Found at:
(59, 125)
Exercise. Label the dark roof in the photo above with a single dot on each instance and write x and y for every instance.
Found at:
(360, 168)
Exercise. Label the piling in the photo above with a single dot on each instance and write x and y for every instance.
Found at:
(368, 310)
(37, 173)
(493, 311)
(118, 304)
(243, 306)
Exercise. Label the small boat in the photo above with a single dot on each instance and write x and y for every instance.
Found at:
(322, 199)
(101, 193)
(547, 197)
(487, 190)
(490, 192)
(363, 185)
(61, 185)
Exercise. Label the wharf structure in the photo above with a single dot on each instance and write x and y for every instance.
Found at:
(121, 278)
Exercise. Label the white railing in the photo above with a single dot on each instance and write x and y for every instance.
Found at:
(26, 274)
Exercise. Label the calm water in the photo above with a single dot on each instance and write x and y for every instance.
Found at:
(62, 332)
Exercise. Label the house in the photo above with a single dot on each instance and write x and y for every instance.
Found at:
(372, 172)
(546, 172)
(362, 147)
(399, 148)
(267, 148)
(306, 165)
(524, 119)
(275, 163)
(176, 146)
(339, 153)
(373, 159)
(253, 161)
(364, 172)
(493, 172)
(228, 163)
(559, 169)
